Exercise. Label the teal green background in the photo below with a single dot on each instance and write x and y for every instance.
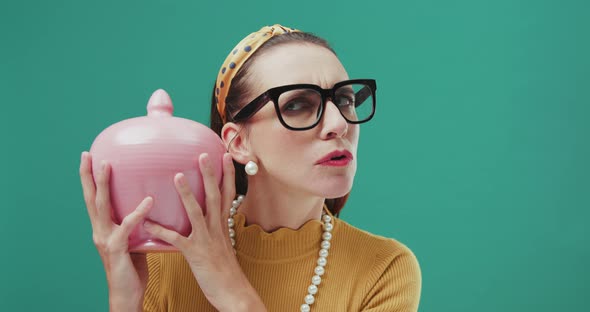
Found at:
(477, 158)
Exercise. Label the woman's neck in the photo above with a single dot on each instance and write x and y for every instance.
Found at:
(271, 207)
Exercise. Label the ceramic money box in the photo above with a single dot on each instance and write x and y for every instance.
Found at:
(145, 153)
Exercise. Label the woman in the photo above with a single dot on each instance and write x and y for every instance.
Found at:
(289, 115)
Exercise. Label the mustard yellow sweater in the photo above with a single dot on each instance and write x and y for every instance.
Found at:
(364, 272)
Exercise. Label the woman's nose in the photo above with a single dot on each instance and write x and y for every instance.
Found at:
(333, 124)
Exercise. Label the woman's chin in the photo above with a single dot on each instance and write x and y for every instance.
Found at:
(336, 190)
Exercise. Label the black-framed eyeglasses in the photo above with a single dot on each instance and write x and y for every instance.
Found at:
(301, 106)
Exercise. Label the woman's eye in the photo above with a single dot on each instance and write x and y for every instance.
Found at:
(345, 100)
(294, 106)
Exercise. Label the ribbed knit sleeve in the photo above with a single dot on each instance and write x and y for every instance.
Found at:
(152, 297)
(395, 282)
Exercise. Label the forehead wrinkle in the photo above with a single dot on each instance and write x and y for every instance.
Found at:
(283, 65)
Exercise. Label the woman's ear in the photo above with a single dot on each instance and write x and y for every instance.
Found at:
(234, 140)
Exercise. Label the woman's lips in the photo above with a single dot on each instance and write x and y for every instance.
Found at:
(336, 158)
(336, 162)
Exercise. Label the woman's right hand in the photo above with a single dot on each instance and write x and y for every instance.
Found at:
(126, 273)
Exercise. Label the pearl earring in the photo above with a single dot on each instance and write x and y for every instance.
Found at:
(251, 168)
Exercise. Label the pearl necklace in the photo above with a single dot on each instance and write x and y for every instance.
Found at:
(323, 254)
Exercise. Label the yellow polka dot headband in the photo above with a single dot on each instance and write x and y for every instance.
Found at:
(238, 56)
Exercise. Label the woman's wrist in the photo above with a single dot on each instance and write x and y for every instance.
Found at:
(247, 301)
(240, 295)
(126, 292)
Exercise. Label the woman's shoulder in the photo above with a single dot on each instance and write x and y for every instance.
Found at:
(357, 239)
(379, 254)
(391, 275)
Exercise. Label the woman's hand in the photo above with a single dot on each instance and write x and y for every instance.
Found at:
(208, 249)
(126, 273)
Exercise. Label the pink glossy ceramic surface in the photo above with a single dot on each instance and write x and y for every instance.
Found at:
(145, 154)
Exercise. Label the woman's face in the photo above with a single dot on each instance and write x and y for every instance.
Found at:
(290, 158)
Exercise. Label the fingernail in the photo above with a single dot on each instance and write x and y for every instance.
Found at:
(147, 224)
(103, 164)
(182, 180)
(82, 156)
(206, 160)
(147, 203)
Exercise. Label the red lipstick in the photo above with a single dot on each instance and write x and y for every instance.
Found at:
(336, 158)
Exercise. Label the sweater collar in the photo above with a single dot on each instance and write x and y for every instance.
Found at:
(282, 244)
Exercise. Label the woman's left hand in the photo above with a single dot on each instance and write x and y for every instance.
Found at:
(208, 249)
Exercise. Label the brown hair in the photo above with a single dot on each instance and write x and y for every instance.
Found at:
(238, 93)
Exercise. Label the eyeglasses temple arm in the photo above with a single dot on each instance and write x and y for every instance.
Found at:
(251, 109)
(362, 95)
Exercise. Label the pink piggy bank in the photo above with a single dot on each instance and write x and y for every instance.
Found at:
(145, 154)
